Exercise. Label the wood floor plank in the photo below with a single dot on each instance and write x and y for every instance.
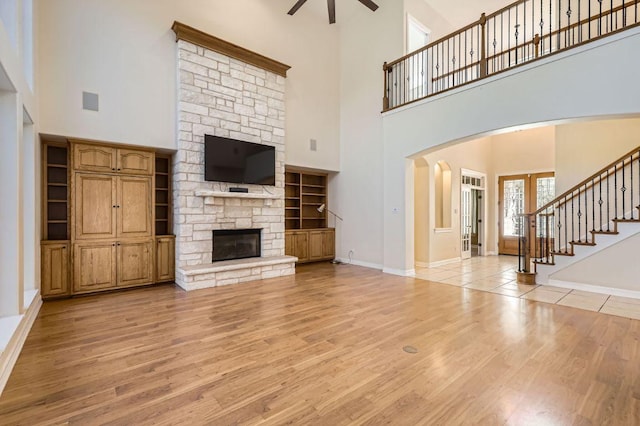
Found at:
(323, 347)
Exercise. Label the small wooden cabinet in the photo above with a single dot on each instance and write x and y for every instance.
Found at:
(296, 243)
(55, 268)
(135, 263)
(105, 159)
(165, 258)
(310, 245)
(94, 266)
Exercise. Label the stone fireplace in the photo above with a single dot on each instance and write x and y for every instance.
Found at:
(224, 96)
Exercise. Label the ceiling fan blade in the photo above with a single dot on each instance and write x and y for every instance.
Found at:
(296, 6)
(371, 5)
(332, 11)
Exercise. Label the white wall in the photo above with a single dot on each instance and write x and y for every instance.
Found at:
(583, 149)
(19, 170)
(544, 94)
(366, 41)
(597, 269)
(125, 51)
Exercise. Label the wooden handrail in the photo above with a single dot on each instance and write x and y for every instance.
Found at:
(606, 169)
(430, 45)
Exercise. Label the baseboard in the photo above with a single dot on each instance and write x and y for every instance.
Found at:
(491, 253)
(400, 272)
(444, 262)
(359, 263)
(10, 354)
(594, 288)
(422, 264)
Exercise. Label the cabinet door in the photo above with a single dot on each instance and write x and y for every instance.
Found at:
(165, 259)
(94, 158)
(134, 207)
(55, 269)
(95, 206)
(289, 244)
(94, 266)
(316, 240)
(329, 243)
(301, 244)
(135, 263)
(134, 162)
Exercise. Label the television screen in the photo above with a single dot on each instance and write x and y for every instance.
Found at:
(234, 161)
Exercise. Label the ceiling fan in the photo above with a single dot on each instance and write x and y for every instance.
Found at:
(332, 8)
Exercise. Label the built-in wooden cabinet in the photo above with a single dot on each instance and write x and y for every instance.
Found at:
(310, 245)
(165, 258)
(55, 268)
(307, 236)
(107, 198)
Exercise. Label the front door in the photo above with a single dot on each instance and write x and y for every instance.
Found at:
(520, 194)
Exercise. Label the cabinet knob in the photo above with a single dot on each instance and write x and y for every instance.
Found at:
(119, 169)
(113, 245)
(114, 207)
(113, 169)
(64, 247)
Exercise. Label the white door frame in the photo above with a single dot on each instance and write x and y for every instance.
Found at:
(482, 229)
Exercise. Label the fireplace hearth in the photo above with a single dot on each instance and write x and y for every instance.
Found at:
(229, 244)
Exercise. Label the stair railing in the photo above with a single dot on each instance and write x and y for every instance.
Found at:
(514, 35)
(594, 206)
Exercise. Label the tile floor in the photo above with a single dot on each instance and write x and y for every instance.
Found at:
(497, 274)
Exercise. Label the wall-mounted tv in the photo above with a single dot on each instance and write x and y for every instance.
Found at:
(234, 161)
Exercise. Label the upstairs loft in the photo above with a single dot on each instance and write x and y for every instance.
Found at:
(517, 34)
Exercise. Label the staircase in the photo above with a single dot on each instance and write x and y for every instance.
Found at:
(565, 239)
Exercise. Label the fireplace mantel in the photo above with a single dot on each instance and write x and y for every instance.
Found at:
(245, 195)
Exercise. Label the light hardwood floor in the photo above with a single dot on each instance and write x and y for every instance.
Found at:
(324, 347)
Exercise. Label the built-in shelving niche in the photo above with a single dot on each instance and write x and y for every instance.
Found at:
(56, 193)
(163, 195)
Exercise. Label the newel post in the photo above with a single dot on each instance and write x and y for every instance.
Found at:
(483, 47)
(524, 274)
(385, 98)
(536, 43)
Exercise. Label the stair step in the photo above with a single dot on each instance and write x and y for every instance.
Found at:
(540, 262)
(561, 253)
(605, 232)
(582, 243)
(626, 220)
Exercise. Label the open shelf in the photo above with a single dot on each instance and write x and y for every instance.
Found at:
(56, 192)
(304, 193)
(163, 195)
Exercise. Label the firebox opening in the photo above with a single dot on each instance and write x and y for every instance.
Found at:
(231, 244)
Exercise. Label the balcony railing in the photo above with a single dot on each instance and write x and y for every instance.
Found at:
(514, 35)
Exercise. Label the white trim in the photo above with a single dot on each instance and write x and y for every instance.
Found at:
(595, 288)
(360, 263)
(400, 272)
(442, 230)
(444, 262)
(10, 354)
(410, 19)
(422, 264)
(491, 253)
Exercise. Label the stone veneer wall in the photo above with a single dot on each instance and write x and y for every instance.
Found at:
(225, 97)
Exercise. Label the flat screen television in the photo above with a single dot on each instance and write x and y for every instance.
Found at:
(234, 161)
